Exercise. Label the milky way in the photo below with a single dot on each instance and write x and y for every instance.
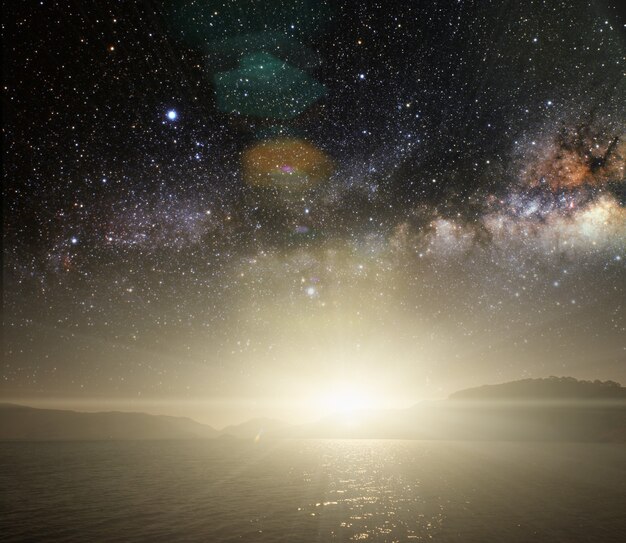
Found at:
(460, 217)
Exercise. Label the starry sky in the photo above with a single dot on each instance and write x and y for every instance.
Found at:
(224, 209)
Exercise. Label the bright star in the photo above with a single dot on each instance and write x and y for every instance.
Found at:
(171, 115)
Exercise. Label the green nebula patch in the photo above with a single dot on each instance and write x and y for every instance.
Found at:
(265, 86)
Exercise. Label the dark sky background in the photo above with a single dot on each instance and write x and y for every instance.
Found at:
(472, 229)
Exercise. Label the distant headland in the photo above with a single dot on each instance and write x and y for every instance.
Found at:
(551, 388)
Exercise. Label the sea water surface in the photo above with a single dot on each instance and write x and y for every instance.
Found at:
(312, 490)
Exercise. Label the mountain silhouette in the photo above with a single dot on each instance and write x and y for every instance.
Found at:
(552, 409)
(19, 422)
(552, 388)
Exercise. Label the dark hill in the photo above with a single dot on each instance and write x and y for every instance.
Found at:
(552, 388)
(18, 422)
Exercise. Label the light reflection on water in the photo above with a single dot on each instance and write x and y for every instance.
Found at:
(312, 491)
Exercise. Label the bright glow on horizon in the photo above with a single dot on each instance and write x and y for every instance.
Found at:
(346, 398)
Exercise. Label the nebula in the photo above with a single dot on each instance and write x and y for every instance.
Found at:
(578, 157)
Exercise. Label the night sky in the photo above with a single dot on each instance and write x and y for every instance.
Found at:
(235, 207)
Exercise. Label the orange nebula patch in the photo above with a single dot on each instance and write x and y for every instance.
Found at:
(564, 170)
(285, 163)
(569, 166)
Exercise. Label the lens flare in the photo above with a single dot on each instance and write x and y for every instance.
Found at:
(285, 163)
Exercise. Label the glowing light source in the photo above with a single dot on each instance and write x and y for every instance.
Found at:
(346, 398)
(172, 115)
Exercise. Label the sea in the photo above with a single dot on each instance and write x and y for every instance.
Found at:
(312, 491)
